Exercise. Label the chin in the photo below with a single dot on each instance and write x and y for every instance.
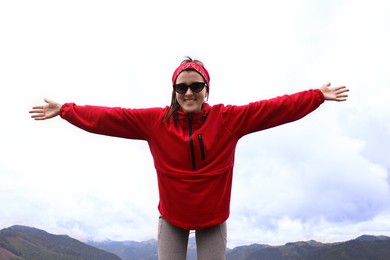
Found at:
(191, 110)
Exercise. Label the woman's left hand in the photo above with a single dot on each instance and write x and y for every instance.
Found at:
(335, 94)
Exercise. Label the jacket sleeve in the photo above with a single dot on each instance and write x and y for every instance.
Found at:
(113, 121)
(260, 115)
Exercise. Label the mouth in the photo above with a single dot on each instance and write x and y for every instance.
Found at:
(189, 100)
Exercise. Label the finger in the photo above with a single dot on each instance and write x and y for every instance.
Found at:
(36, 110)
(341, 97)
(38, 116)
(341, 89)
(49, 101)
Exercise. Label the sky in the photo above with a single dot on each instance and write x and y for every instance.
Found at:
(324, 177)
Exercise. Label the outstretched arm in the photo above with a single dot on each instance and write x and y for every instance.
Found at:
(49, 110)
(334, 94)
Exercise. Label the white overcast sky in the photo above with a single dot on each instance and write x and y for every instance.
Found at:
(325, 177)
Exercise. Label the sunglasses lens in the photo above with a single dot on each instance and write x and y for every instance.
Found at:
(180, 88)
(195, 87)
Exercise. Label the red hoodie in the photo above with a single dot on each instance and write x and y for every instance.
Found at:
(194, 158)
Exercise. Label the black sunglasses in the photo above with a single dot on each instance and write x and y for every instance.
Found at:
(195, 87)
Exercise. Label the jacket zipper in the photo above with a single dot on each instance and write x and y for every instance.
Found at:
(200, 138)
(191, 142)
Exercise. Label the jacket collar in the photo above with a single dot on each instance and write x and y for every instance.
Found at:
(197, 119)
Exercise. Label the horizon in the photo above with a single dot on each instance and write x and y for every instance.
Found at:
(192, 238)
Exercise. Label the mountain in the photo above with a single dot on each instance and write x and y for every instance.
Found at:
(243, 252)
(362, 248)
(128, 250)
(354, 250)
(371, 238)
(26, 243)
(131, 250)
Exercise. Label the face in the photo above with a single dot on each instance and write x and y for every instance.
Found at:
(190, 102)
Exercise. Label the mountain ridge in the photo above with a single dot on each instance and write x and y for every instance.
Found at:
(28, 243)
(21, 242)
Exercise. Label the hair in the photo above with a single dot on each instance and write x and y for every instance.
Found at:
(174, 107)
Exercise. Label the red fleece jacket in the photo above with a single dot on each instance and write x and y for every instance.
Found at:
(194, 158)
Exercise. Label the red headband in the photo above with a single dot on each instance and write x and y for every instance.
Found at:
(192, 65)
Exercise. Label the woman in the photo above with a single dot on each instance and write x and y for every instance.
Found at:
(193, 146)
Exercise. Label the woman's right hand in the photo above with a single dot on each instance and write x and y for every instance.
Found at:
(49, 110)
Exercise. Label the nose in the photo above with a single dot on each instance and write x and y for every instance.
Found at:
(189, 91)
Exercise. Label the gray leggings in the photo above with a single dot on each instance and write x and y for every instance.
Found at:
(172, 242)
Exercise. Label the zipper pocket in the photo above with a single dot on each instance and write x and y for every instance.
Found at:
(201, 145)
